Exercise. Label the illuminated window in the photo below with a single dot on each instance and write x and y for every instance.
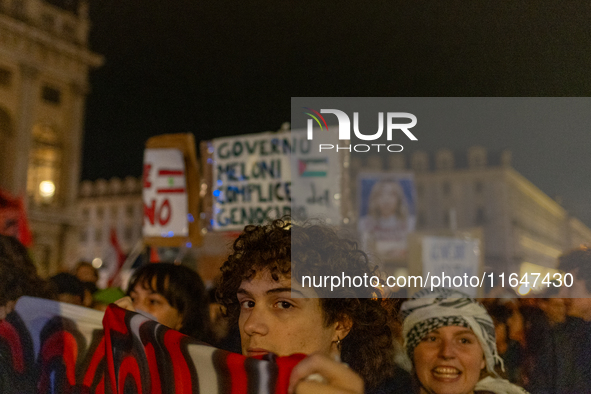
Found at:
(44, 165)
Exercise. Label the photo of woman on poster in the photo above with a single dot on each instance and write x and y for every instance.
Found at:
(386, 215)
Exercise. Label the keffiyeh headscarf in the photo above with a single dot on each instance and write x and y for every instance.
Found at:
(429, 310)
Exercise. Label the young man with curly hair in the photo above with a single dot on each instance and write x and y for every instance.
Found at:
(261, 288)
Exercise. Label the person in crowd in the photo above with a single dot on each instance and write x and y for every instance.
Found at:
(88, 275)
(69, 288)
(262, 289)
(86, 272)
(89, 290)
(224, 335)
(18, 275)
(509, 349)
(103, 297)
(174, 295)
(549, 360)
(450, 339)
(516, 322)
(577, 298)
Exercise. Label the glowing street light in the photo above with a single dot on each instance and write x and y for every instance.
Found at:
(47, 189)
(97, 262)
(523, 290)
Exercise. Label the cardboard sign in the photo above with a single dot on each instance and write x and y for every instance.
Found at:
(452, 257)
(259, 177)
(318, 178)
(170, 191)
(251, 180)
(165, 194)
(387, 213)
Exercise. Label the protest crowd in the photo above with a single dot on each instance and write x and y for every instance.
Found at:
(436, 341)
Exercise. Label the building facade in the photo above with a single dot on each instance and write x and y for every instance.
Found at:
(467, 190)
(109, 208)
(44, 66)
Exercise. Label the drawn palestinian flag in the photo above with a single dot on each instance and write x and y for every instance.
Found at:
(313, 167)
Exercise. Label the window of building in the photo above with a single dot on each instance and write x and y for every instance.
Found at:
(478, 187)
(5, 77)
(420, 190)
(421, 220)
(44, 165)
(446, 218)
(47, 21)
(18, 8)
(100, 212)
(69, 30)
(480, 216)
(51, 95)
(129, 211)
(5, 140)
(114, 212)
(128, 234)
(446, 188)
(98, 235)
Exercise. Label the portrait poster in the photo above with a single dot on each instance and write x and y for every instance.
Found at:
(386, 214)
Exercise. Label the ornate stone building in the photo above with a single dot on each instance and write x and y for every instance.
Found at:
(44, 66)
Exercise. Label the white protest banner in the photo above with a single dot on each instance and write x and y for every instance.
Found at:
(454, 261)
(251, 180)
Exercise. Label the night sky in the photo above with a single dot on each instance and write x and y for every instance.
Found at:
(219, 67)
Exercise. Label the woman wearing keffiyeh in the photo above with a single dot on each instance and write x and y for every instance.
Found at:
(450, 338)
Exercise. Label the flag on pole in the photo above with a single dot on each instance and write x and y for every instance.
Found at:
(119, 256)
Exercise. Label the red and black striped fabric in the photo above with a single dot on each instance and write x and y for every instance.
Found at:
(51, 347)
